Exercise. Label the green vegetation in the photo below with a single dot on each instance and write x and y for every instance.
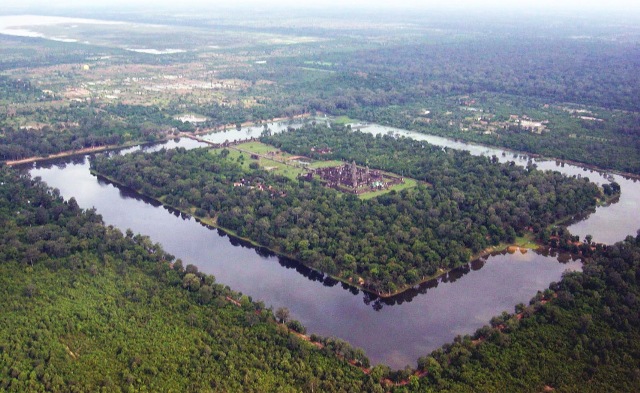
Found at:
(277, 163)
(257, 147)
(386, 243)
(407, 184)
(592, 135)
(526, 242)
(343, 120)
(18, 91)
(586, 90)
(87, 308)
(271, 165)
(430, 82)
(325, 164)
(281, 163)
(81, 126)
(581, 335)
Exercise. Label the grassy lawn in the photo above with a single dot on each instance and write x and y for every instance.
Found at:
(526, 241)
(235, 155)
(273, 166)
(324, 164)
(317, 70)
(342, 120)
(320, 63)
(289, 170)
(408, 183)
(257, 147)
(282, 169)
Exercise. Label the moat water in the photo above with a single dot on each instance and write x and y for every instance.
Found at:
(393, 331)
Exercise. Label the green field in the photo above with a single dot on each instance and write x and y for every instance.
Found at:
(408, 183)
(325, 164)
(280, 163)
(257, 147)
(526, 241)
(242, 154)
(343, 120)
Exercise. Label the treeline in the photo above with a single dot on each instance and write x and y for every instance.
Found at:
(580, 335)
(554, 69)
(221, 115)
(84, 125)
(29, 143)
(621, 152)
(523, 198)
(110, 313)
(88, 308)
(19, 52)
(612, 143)
(13, 91)
(384, 244)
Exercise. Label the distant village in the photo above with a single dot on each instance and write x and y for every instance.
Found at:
(484, 122)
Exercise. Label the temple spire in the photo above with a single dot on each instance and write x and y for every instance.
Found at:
(354, 174)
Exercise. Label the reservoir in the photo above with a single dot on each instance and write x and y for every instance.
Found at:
(393, 331)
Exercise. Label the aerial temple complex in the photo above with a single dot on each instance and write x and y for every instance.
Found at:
(354, 179)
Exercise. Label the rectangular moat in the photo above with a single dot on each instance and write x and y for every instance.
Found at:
(394, 332)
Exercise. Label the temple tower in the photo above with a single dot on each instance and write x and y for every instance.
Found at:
(354, 174)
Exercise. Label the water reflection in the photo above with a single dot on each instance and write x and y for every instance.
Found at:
(395, 331)
(456, 274)
(376, 302)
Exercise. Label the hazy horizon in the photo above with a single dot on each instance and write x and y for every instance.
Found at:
(569, 6)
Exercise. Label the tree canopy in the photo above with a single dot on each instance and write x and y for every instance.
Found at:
(465, 204)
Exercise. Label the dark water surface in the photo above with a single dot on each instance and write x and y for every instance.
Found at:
(392, 331)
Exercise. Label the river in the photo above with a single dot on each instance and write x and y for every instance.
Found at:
(392, 331)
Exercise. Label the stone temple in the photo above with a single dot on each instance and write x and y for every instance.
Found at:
(354, 179)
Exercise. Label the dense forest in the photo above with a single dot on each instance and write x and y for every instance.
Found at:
(88, 308)
(596, 73)
(388, 85)
(536, 68)
(580, 335)
(471, 183)
(610, 140)
(385, 244)
(82, 125)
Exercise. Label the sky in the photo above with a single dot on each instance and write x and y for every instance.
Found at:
(623, 6)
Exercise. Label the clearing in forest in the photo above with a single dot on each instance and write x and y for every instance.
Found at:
(348, 178)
